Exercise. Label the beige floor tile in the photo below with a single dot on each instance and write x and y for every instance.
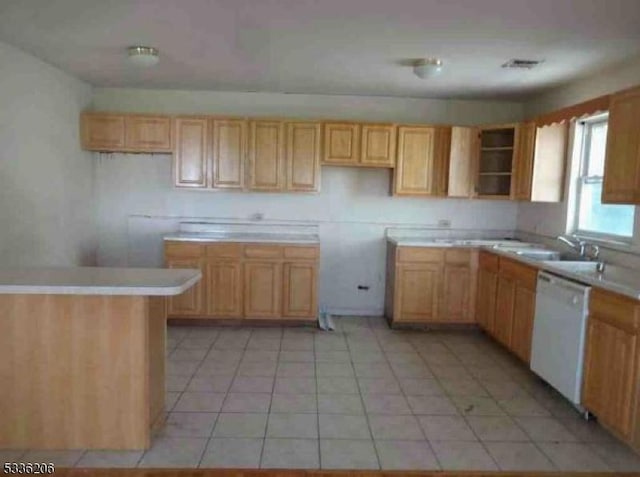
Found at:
(181, 354)
(432, 405)
(294, 344)
(213, 384)
(176, 382)
(110, 459)
(497, 429)
(239, 424)
(199, 402)
(587, 431)
(188, 424)
(379, 386)
(340, 426)
(296, 370)
(337, 385)
(446, 428)
(618, 456)
(264, 344)
(214, 368)
(542, 429)
(247, 402)
(368, 356)
(59, 458)
(386, 404)
(170, 400)
(300, 403)
(233, 453)
(463, 387)
(523, 406)
(395, 427)
(344, 370)
(197, 343)
(519, 456)
(477, 406)
(570, 456)
(174, 452)
(404, 358)
(348, 454)
(463, 455)
(332, 356)
(296, 356)
(257, 368)
(254, 355)
(290, 454)
(182, 367)
(504, 389)
(411, 370)
(420, 387)
(293, 385)
(252, 384)
(340, 404)
(292, 425)
(372, 370)
(406, 455)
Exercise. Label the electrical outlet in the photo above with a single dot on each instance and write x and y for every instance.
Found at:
(444, 223)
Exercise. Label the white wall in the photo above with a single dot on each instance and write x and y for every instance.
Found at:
(546, 221)
(137, 204)
(46, 181)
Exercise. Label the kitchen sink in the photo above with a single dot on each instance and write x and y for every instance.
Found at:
(574, 266)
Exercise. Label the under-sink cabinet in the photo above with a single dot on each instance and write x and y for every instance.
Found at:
(430, 285)
(246, 280)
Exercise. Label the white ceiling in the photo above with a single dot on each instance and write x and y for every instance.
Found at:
(328, 46)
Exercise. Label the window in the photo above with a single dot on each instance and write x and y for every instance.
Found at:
(593, 218)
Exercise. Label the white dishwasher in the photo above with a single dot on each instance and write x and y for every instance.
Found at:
(559, 329)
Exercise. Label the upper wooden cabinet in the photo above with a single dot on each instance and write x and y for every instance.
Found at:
(495, 163)
(540, 162)
(303, 156)
(102, 132)
(126, 132)
(228, 153)
(463, 157)
(421, 168)
(190, 164)
(622, 164)
(266, 155)
(359, 144)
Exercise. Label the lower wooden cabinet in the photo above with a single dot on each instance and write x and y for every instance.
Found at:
(253, 281)
(524, 308)
(487, 290)
(430, 285)
(505, 300)
(610, 382)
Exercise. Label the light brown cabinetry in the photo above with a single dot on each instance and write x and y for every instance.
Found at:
(190, 165)
(463, 157)
(430, 285)
(359, 144)
(523, 161)
(622, 164)
(610, 383)
(303, 156)
(421, 168)
(107, 132)
(242, 280)
(266, 155)
(496, 161)
(228, 153)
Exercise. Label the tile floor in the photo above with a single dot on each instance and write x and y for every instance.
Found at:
(363, 397)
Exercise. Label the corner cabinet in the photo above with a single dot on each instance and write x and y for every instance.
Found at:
(421, 168)
(247, 280)
(621, 183)
(610, 388)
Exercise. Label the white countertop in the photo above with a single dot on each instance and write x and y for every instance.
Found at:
(248, 237)
(97, 281)
(454, 242)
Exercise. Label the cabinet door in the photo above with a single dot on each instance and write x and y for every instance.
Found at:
(523, 313)
(486, 299)
(266, 155)
(103, 132)
(456, 294)
(303, 157)
(414, 173)
(549, 163)
(190, 157)
(610, 375)
(505, 302)
(441, 152)
(300, 297)
(148, 133)
(262, 289)
(229, 143)
(622, 164)
(417, 291)
(190, 302)
(378, 145)
(341, 144)
(463, 157)
(523, 161)
(224, 289)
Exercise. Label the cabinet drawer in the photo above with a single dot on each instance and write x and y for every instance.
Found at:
(461, 257)
(301, 252)
(523, 274)
(420, 254)
(183, 249)
(617, 310)
(488, 261)
(224, 250)
(263, 251)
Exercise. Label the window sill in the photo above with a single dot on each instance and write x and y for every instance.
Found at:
(617, 244)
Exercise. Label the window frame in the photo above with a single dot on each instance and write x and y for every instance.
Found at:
(582, 178)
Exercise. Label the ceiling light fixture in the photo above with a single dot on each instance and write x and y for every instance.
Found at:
(427, 67)
(143, 56)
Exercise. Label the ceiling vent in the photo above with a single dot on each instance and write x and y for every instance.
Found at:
(521, 64)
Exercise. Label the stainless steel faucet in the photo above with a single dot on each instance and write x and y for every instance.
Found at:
(575, 242)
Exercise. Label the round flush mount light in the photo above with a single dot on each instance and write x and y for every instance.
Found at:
(427, 67)
(143, 56)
